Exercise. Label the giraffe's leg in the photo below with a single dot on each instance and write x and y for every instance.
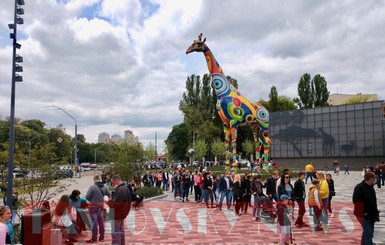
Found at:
(255, 138)
(234, 132)
(266, 146)
(226, 130)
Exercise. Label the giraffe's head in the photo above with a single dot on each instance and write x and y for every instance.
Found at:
(197, 45)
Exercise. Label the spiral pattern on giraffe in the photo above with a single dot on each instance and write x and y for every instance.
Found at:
(262, 114)
(221, 85)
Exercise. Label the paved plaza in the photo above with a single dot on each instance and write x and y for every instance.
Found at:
(166, 221)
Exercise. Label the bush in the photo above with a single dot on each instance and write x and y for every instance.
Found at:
(148, 192)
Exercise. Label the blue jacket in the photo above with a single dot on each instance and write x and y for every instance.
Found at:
(223, 184)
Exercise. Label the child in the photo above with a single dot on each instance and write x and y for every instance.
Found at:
(284, 219)
(315, 204)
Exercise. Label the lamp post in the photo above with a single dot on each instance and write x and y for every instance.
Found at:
(15, 78)
(76, 133)
(29, 150)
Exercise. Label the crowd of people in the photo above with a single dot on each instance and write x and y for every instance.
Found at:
(249, 190)
(274, 198)
(74, 214)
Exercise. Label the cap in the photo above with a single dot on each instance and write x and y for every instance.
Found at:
(284, 197)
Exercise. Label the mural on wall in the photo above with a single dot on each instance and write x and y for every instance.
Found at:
(294, 135)
(328, 143)
(234, 109)
(343, 130)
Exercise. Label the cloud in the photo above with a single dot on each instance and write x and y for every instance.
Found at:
(117, 65)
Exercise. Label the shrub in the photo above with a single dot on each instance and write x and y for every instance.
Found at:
(148, 192)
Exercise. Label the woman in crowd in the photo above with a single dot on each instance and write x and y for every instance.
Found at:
(80, 204)
(63, 219)
(332, 192)
(257, 190)
(237, 194)
(5, 233)
(208, 186)
(197, 189)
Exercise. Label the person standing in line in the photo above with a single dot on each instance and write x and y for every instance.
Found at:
(95, 197)
(186, 185)
(176, 183)
(257, 190)
(197, 189)
(237, 194)
(271, 186)
(120, 205)
(246, 193)
(324, 195)
(332, 192)
(225, 187)
(208, 186)
(5, 217)
(365, 207)
(299, 197)
(309, 169)
(315, 204)
(165, 179)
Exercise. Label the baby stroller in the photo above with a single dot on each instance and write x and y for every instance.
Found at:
(269, 212)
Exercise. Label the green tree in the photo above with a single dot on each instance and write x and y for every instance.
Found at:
(200, 149)
(305, 92)
(249, 148)
(321, 92)
(312, 92)
(177, 142)
(273, 102)
(358, 99)
(218, 148)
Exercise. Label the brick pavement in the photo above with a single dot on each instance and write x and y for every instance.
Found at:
(166, 221)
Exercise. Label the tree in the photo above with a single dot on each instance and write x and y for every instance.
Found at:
(218, 148)
(273, 102)
(249, 148)
(177, 142)
(200, 149)
(312, 92)
(305, 91)
(358, 99)
(321, 92)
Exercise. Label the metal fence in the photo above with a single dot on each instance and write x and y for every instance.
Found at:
(354, 130)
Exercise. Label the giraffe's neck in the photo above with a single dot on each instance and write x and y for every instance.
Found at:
(212, 63)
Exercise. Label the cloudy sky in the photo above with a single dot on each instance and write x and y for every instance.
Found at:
(121, 64)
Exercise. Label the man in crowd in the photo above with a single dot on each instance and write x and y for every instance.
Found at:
(225, 187)
(271, 186)
(365, 207)
(95, 195)
(120, 205)
(309, 169)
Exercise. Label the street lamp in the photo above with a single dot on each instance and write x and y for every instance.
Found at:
(15, 78)
(76, 133)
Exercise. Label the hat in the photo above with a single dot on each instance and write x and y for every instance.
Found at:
(284, 197)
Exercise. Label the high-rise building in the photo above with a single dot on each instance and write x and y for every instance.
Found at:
(103, 138)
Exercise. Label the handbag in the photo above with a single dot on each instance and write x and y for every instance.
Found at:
(332, 193)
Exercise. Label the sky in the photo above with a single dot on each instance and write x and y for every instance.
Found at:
(115, 65)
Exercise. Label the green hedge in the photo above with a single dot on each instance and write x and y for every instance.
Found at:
(148, 192)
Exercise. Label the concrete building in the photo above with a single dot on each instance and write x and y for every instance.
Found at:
(339, 99)
(129, 138)
(103, 138)
(352, 134)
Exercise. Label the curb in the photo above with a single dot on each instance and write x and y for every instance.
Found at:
(155, 198)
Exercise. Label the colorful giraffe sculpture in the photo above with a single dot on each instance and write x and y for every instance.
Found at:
(234, 109)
